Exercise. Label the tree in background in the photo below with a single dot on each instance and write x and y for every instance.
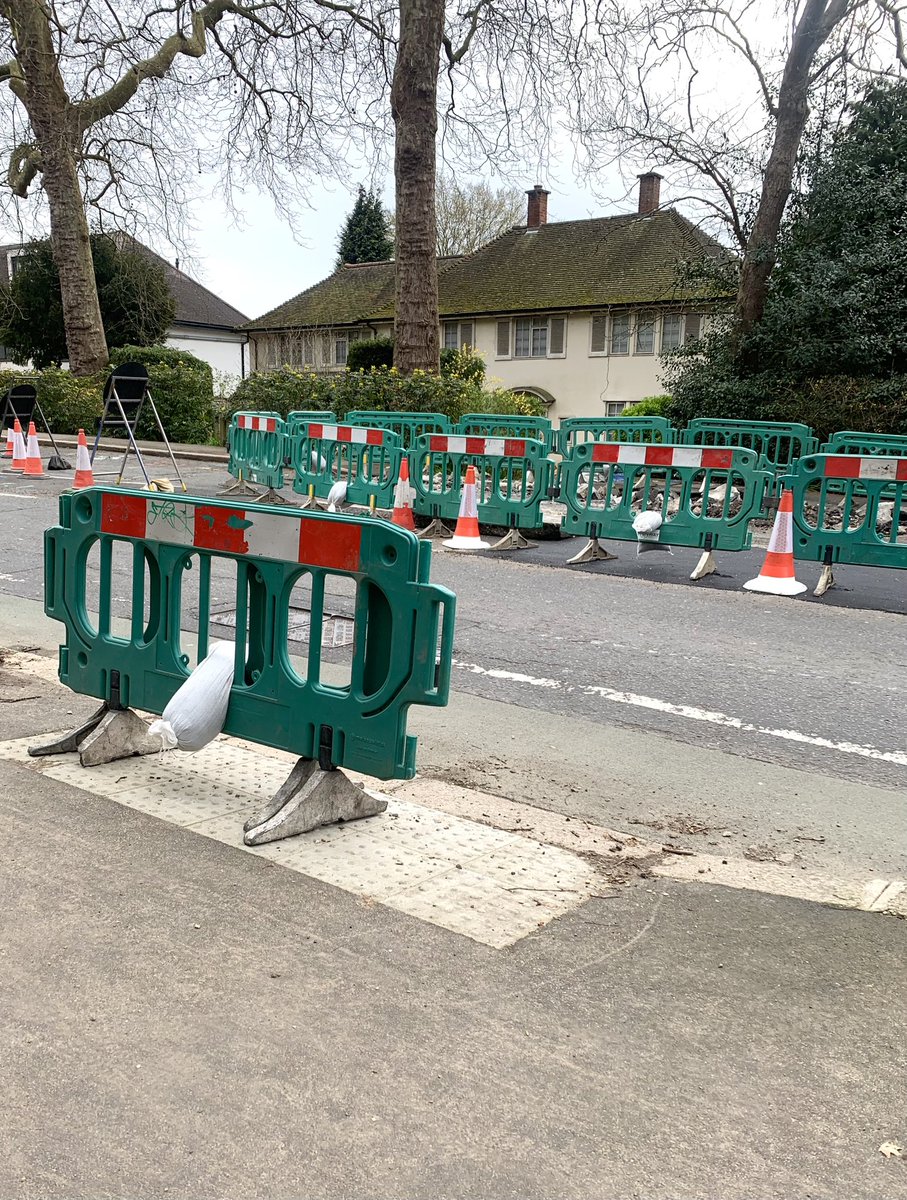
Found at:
(135, 301)
(737, 158)
(471, 214)
(366, 235)
(831, 346)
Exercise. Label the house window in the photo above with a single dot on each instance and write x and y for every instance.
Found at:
(613, 408)
(14, 262)
(645, 335)
(341, 349)
(620, 333)
(533, 337)
(671, 331)
(458, 335)
(599, 342)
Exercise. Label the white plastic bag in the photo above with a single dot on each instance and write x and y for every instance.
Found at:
(196, 713)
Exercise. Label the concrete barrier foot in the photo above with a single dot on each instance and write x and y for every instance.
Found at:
(593, 551)
(514, 540)
(705, 566)
(111, 734)
(240, 488)
(435, 529)
(272, 496)
(826, 581)
(309, 798)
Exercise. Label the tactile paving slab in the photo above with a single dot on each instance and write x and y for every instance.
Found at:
(484, 883)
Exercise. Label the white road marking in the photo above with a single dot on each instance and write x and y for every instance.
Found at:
(688, 711)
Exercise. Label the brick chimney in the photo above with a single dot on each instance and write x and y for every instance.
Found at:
(649, 192)
(537, 212)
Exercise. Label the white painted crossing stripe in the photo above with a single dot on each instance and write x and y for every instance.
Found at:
(688, 711)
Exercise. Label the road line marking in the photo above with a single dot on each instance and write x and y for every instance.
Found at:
(689, 712)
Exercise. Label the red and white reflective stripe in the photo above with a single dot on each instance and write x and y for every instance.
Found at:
(493, 447)
(281, 536)
(856, 467)
(662, 456)
(261, 424)
(357, 434)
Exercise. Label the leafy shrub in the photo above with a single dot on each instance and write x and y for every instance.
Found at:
(69, 402)
(282, 391)
(380, 390)
(182, 387)
(362, 356)
(649, 406)
(463, 364)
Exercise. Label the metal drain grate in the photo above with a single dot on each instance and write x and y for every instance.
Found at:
(336, 631)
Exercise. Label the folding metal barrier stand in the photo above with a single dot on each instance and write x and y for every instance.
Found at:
(125, 393)
(21, 402)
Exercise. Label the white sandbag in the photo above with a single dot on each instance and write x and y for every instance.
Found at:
(196, 713)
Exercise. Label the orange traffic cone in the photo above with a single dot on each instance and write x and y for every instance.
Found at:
(18, 463)
(8, 452)
(33, 464)
(403, 499)
(84, 477)
(466, 535)
(777, 575)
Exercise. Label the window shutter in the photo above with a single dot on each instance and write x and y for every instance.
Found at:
(599, 333)
(503, 350)
(692, 327)
(556, 336)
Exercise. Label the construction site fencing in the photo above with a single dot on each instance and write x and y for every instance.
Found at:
(574, 431)
(778, 444)
(492, 425)
(367, 460)
(705, 497)
(403, 624)
(850, 509)
(257, 448)
(407, 426)
(513, 476)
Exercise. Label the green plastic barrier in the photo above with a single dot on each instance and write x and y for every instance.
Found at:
(778, 444)
(304, 415)
(257, 448)
(400, 619)
(512, 475)
(407, 426)
(605, 486)
(847, 508)
(851, 441)
(574, 431)
(368, 460)
(491, 425)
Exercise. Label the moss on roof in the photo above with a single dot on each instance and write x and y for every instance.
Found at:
(353, 293)
(565, 265)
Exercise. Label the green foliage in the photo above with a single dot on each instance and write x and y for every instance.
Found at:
(182, 387)
(378, 352)
(136, 303)
(649, 406)
(382, 390)
(463, 364)
(831, 348)
(282, 391)
(70, 402)
(365, 236)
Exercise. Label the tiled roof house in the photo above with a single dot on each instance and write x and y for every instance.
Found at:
(203, 324)
(577, 312)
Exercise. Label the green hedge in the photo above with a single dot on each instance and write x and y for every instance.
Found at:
(180, 383)
(182, 387)
(376, 352)
(381, 389)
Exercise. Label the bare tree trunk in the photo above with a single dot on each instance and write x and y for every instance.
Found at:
(86, 342)
(414, 107)
(813, 29)
(43, 93)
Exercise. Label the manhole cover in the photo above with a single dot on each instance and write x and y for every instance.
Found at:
(336, 631)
